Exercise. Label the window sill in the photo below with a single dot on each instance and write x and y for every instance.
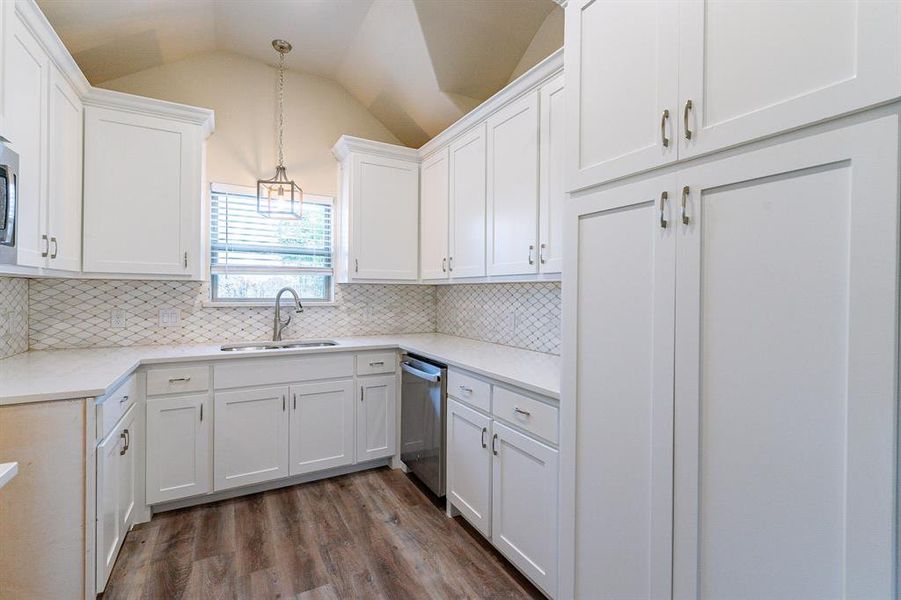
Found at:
(211, 304)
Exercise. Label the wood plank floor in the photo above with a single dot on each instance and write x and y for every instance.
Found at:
(373, 534)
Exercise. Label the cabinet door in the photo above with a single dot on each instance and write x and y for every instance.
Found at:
(616, 430)
(513, 187)
(322, 426)
(5, 9)
(142, 193)
(786, 369)
(27, 65)
(433, 225)
(376, 417)
(524, 504)
(127, 466)
(66, 126)
(178, 448)
(385, 218)
(467, 204)
(469, 465)
(109, 534)
(752, 69)
(251, 441)
(622, 88)
(552, 188)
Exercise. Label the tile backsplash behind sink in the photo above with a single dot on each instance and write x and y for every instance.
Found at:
(45, 314)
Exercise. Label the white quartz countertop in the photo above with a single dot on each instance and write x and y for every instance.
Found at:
(44, 375)
(7, 472)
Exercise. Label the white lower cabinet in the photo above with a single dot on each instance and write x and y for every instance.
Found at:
(469, 464)
(376, 417)
(179, 463)
(251, 444)
(322, 426)
(504, 483)
(116, 472)
(524, 504)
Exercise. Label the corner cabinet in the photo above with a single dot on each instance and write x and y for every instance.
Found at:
(379, 211)
(143, 186)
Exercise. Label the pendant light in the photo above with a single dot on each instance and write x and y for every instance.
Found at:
(280, 197)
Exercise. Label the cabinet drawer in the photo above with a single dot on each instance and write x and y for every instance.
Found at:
(268, 371)
(532, 415)
(376, 362)
(469, 389)
(114, 405)
(178, 380)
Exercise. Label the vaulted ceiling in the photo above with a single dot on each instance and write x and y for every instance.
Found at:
(417, 65)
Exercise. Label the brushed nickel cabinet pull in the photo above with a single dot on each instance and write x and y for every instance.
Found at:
(55, 250)
(685, 219)
(541, 253)
(361, 393)
(283, 403)
(664, 196)
(444, 264)
(687, 110)
(124, 399)
(356, 266)
(376, 363)
(201, 412)
(524, 413)
(531, 248)
(186, 260)
(123, 437)
(450, 263)
(663, 121)
(179, 379)
(494, 444)
(465, 389)
(295, 401)
(46, 246)
(484, 431)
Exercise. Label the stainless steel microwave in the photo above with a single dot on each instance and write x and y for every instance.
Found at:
(9, 179)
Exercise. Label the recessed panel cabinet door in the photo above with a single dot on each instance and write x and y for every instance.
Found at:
(109, 534)
(66, 126)
(513, 188)
(467, 204)
(142, 193)
(433, 227)
(25, 91)
(385, 218)
(622, 88)
(251, 436)
(469, 464)
(552, 193)
(786, 370)
(322, 426)
(524, 504)
(617, 425)
(179, 462)
(751, 69)
(128, 469)
(376, 417)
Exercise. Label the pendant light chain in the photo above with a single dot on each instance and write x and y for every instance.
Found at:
(281, 109)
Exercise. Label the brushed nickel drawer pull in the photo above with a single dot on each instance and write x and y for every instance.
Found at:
(465, 389)
(124, 399)
(179, 379)
(525, 413)
(663, 121)
(376, 362)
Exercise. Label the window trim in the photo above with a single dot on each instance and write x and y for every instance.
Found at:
(243, 190)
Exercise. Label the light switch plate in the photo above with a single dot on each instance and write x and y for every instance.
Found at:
(170, 317)
(117, 318)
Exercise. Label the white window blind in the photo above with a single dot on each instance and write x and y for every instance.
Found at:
(252, 256)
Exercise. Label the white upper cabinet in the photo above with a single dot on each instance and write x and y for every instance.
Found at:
(752, 69)
(467, 204)
(622, 88)
(28, 65)
(143, 188)
(552, 190)
(379, 211)
(434, 207)
(512, 175)
(66, 125)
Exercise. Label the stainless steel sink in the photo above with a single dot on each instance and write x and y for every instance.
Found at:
(256, 346)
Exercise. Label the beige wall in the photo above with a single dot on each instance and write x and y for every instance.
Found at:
(242, 91)
(547, 39)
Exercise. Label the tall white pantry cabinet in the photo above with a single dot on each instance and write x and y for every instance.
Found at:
(729, 421)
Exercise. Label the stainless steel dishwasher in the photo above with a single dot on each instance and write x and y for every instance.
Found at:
(422, 421)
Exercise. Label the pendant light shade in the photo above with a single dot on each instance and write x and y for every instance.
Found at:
(280, 197)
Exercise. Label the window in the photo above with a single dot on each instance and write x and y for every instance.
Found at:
(252, 256)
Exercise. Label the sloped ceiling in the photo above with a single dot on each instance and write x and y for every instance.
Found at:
(418, 65)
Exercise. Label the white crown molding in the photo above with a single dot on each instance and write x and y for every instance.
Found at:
(151, 106)
(348, 143)
(549, 67)
(562, 3)
(35, 20)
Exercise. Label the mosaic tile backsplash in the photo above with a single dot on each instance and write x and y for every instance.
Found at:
(525, 315)
(13, 316)
(73, 313)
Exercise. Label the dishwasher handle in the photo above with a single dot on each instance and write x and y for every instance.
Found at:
(421, 374)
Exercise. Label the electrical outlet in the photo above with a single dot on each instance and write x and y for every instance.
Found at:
(117, 318)
(170, 317)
